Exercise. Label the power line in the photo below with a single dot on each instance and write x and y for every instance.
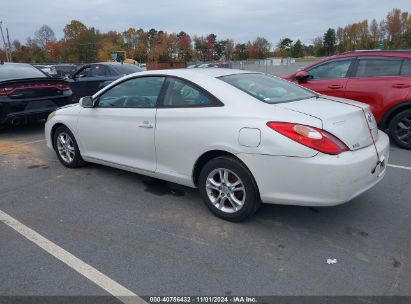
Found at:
(4, 42)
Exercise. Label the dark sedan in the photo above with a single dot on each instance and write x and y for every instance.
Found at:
(27, 93)
(90, 78)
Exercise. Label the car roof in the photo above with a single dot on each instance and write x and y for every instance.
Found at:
(211, 72)
(16, 64)
(373, 53)
(394, 53)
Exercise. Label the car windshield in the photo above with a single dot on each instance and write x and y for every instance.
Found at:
(268, 88)
(126, 68)
(19, 71)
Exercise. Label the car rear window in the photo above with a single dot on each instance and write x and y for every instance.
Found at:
(19, 71)
(268, 89)
(406, 68)
(125, 69)
(378, 67)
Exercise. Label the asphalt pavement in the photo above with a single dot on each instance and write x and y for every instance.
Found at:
(156, 238)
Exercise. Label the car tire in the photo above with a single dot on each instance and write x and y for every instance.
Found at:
(228, 189)
(400, 129)
(66, 148)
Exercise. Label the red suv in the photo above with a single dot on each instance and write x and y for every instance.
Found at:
(381, 79)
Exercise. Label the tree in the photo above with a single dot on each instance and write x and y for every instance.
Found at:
(43, 35)
(329, 41)
(285, 43)
(200, 47)
(241, 51)
(283, 47)
(109, 42)
(229, 49)
(375, 34)
(340, 39)
(211, 51)
(220, 49)
(260, 48)
(297, 50)
(53, 51)
(318, 48)
(81, 44)
(394, 25)
(73, 30)
(184, 46)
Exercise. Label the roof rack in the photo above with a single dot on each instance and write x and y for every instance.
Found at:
(378, 50)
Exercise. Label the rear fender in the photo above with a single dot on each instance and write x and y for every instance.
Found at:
(383, 125)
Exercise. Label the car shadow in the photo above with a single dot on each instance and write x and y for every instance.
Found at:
(268, 215)
(31, 128)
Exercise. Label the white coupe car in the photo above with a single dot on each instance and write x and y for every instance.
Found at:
(242, 138)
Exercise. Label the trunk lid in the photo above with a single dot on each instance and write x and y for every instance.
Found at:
(352, 122)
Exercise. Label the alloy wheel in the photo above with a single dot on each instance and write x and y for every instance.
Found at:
(225, 190)
(403, 130)
(65, 147)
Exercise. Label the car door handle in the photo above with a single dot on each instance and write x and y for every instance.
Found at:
(400, 85)
(335, 86)
(146, 124)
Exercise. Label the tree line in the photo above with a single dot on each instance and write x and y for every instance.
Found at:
(87, 44)
(392, 32)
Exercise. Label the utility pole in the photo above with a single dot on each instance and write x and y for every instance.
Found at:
(8, 40)
(4, 42)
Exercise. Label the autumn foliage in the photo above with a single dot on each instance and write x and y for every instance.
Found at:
(87, 44)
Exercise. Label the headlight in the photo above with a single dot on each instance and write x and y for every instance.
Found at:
(51, 115)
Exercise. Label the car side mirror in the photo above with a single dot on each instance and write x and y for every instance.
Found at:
(86, 102)
(302, 75)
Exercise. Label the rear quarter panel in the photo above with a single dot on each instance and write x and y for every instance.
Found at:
(184, 134)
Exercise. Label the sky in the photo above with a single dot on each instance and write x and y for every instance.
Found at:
(241, 20)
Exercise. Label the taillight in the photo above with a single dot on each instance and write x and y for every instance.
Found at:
(61, 86)
(6, 90)
(311, 137)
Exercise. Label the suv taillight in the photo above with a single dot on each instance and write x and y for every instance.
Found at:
(311, 137)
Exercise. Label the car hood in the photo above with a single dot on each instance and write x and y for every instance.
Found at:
(352, 122)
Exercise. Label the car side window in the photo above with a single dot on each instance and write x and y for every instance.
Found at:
(98, 70)
(183, 94)
(378, 67)
(406, 68)
(141, 92)
(330, 70)
(84, 72)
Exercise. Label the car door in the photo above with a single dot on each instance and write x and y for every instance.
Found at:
(377, 82)
(120, 128)
(329, 78)
(88, 80)
(184, 122)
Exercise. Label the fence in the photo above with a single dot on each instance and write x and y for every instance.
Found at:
(274, 66)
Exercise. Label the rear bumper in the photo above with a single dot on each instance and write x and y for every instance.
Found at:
(25, 111)
(322, 180)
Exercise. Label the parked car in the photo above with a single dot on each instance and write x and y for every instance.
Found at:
(381, 79)
(65, 70)
(48, 69)
(240, 137)
(193, 66)
(27, 93)
(92, 77)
